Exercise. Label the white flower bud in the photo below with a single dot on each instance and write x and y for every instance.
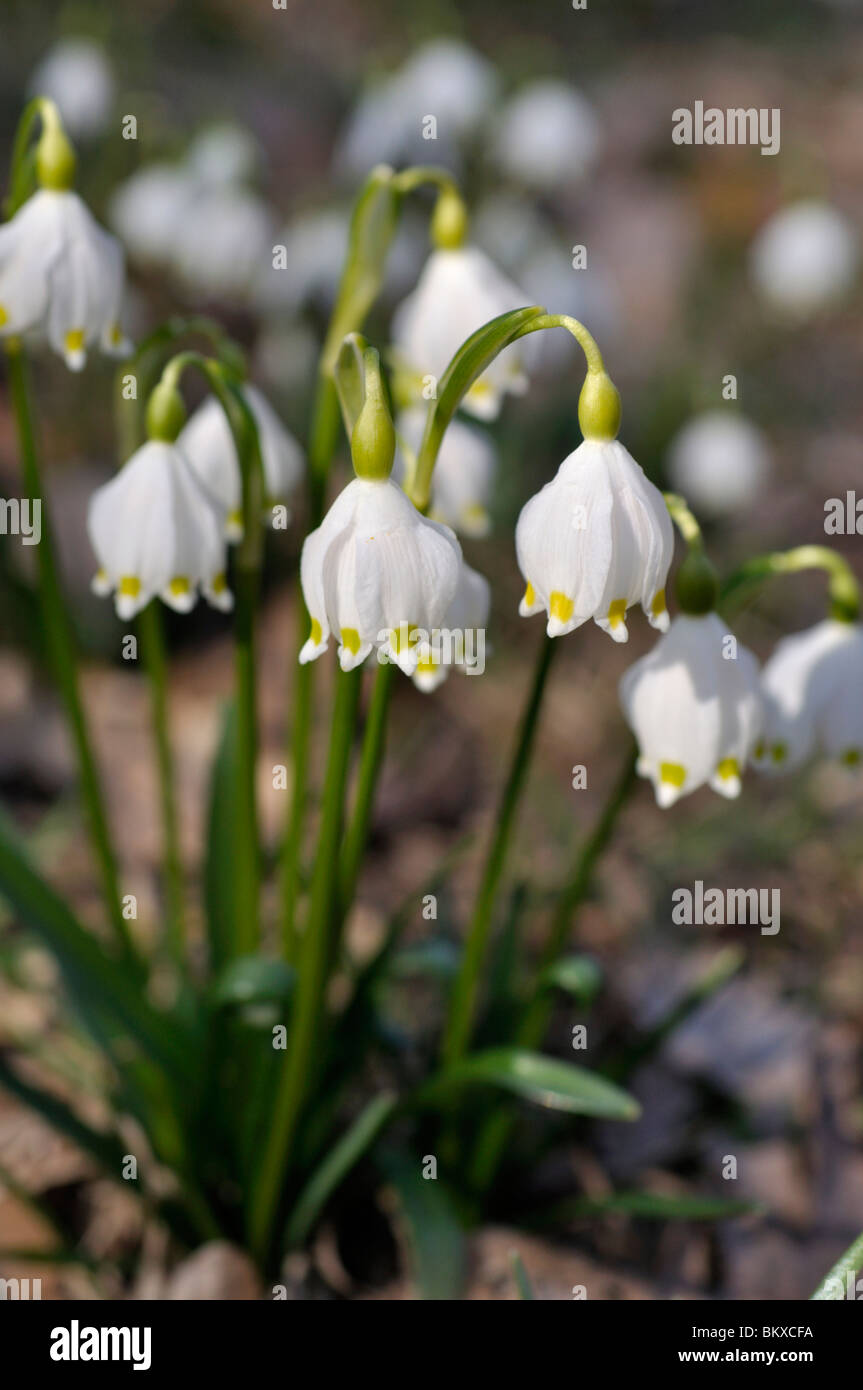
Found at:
(812, 695)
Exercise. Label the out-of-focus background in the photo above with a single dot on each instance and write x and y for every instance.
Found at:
(255, 127)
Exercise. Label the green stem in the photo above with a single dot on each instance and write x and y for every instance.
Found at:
(151, 633)
(463, 999)
(494, 1135)
(835, 1284)
(684, 520)
(315, 957)
(844, 589)
(61, 652)
(371, 759)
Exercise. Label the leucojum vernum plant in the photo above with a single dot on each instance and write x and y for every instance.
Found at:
(247, 1094)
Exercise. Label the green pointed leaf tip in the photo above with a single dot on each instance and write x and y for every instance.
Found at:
(576, 975)
(545, 1081)
(345, 1153)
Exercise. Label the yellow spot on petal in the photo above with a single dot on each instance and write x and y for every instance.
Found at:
(851, 757)
(672, 773)
(617, 612)
(474, 514)
(426, 668)
(317, 633)
(658, 605)
(235, 518)
(560, 607)
(779, 752)
(219, 584)
(4, 317)
(351, 639)
(129, 586)
(74, 340)
(116, 334)
(179, 585)
(401, 636)
(530, 596)
(729, 767)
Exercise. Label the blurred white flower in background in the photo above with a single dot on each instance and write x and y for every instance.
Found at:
(445, 79)
(61, 276)
(594, 541)
(546, 137)
(208, 444)
(75, 73)
(813, 695)
(805, 258)
(464, 472)
(225, 235)
(719, 460)
(155, 531)
(459, 290)
(695, 711)
(147, 211)
(225, 153)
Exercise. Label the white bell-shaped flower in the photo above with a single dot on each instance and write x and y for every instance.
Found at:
(812, 697)
(459, 290)
(695, 708)
(594, 541)
(805, 258)
(148, 209)
(459, 644)
(546, 136)
(464, 472)
(61, 274)
(373, 572)
(208, 444)
(155, 531)
(719, 461)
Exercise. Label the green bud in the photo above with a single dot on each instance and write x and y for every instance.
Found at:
(449, 220)
(599, 406)
(166, 413)
(697, 585)
(373, 438)
(55, 157)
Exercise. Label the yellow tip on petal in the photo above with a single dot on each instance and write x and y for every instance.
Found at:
(4, 317)
(851, 757)
(530, 596)
(401, 636)
(672, 773)
(779, 752)
(74, 340)
(219, 584)
(317, 633)
(760, 749)
(351, 639)
(129, 586)
(179, 585)
(728, 767)
(616, 612)
(559, 606)
(658, 605)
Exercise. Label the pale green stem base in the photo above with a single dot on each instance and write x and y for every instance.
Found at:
(151, 632)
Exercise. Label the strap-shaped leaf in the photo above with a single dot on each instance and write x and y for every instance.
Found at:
(545, 1081)
(101, 986)
(219, 885)
(345, 1153)
(431, 1228)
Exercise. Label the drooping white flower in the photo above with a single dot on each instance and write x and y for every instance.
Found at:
(373, 571)
(208, 444)
(222, 241)
(445, 79)
(695, 708)
(805, 258)
(459, 291)
(546, 136)
(148, 210)
(61, 275)
(155, 531)
(464, 472)
(75, 73)
(812, 686)
(594, 541)
(460, 642)
(719, 461)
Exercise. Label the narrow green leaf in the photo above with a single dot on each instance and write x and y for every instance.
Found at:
(345, 1153)
(105, 1148)
(545, 1081)
(219, 879)
(579, 976)
(100, 985)
(431, 1228)
(840, 1281)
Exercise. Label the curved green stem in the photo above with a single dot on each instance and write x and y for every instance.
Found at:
(840, 1283)
(844, 590)
(684, 520)
(492, 1139)
(61, 648)
(314, 964)
(248, 558)
(463, 1000)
